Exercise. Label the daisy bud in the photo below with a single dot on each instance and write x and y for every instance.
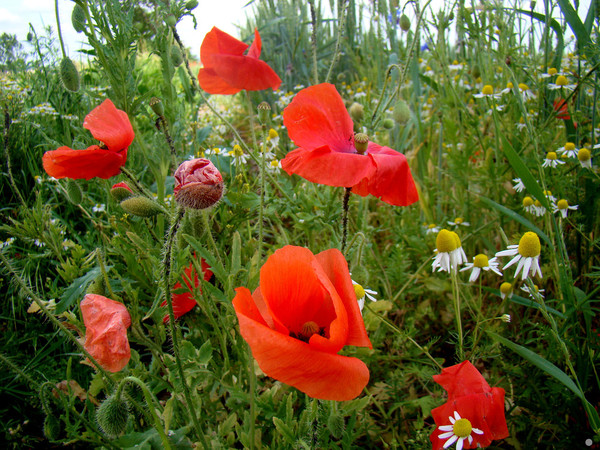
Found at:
(78, 18)
(141, 206)
(404, 22)
(198, 184)
(112, 416)
(69, 75)
(361, 142)
(176, 56)
(264, 110)
(121, 191)
(157, 106)
(505, 318)
(357, 112)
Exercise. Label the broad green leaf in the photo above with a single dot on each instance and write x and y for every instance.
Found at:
(579, 30)
(76, 289)
(552, 23)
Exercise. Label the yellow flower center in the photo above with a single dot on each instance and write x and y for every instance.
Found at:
(521, 120)
(431, 225)
(308, 329)
(458, 220)
(552, 71)
(487, 90)
(446, 241)
(523, 87)
(509, 85)
(216, 151)
(537, 203)
(455, 63)
(456, 78)
(562, 204)
(551, 156)
(569, 146)
(359, 291)
(506, 287)
(275, 163)
(462, 428)
(529, 245)
(237, 151)
(272, 134)
(584, 155)
(548, 193)
(561, 80)
(481, 261)
(527, 201)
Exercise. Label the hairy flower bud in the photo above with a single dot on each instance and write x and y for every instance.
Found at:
(191, 5)
(171, 20)
(69, 75)
(198, 184)
(141, 206)
(121, 191)
(404, 22)
(176, 56)
(388, 123)
(401, 112)
(78, 19)
(263, 112)
(112, 416)
(52, 427)
(357, 112)
(74, 192)
(157, 106)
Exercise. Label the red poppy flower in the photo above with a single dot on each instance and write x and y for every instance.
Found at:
(227, 70)
(184, 303)
(302, 314)
(107, 124)
(562, 109)
(106, 322)
(473, 416)
(317, 122)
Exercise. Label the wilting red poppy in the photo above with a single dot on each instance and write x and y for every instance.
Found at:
(184, 303)
(106, 322)
(317, 122)
(198, 184)
(473, 416)
(562, 109)
(227, 70)
(107, 124)
(302, 314)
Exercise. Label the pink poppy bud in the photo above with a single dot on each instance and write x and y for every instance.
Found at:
(198, 184)
(106, 322)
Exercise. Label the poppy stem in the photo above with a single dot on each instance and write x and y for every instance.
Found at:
(313, 40)
(345, 216)
(456, 297)
(342, 8)
(7, 123)
(168, 248)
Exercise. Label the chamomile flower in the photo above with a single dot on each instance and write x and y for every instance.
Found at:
(533, 293)
(273, 138)
(528, 204)
(505, 318)
(521, 125)
(563, 207)
(526, 253)
(506, 289)
(508, 89)
(458, 431)
(432, 228)
(552, 160)
(459, 221)
(526, 92)
(538, 209)
(585, 158)
(238, 155)
(487, 91)
(551, 72)
(481, 262)
(569, 150)
(561, 82)
(449, 252)
(274, 166)
(362, 293)
(551, 198)
(519, 186)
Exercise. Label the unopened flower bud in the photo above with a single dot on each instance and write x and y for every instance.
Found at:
(361, 142)
(171, 20)
(51, 427)
(69, 75)
(198, 184)
(404, 22)
(176, 56)
(121, 191)
(141, 206)
(264, 110)
(112, 416)
(78, 19)
(401, 112)
(357, 112)
(74, 192)
(157, 106)
(29, 36)
(476, 72)
(191, 5)
(505, 318)
(388, 123)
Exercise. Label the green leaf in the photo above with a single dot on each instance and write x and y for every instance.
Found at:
(284, 430)
(518, 218)
(552, 23)
(76, 289)
(579, 30)
(541, 363)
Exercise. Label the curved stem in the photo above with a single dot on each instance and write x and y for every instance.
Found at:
(345, 216)
(456, 297)
(62, 45)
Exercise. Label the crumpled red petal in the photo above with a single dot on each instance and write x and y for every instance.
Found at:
(65, 162)
(317, 117)
(110, 125)
(185, 302)
(106, 322)
(462, 379)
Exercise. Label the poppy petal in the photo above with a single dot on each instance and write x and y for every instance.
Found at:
(317, 117)
(392, 181)
(326, 166)
(247, 73)
(83, 164)
(335, 266)
(213, 84)
(256, 47)
(321, 375)
(110, 125)
(462, 379)
(218, 42)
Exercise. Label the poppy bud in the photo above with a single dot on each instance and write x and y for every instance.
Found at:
(69, 75)
(361, 142)
(74, 192)
(476, 72)
(263, 112)
(97, 286)
(141, 206)
(388, 123)
(357, 112)
(51, 427)
(336, 425)
(401, 112)
(29, 36)
(176, 56)
(112, 416)
(78, 18)
(170, 20)
(191, 5)
(157, 106)
(198, 184)
(404, 22)
(121, 191)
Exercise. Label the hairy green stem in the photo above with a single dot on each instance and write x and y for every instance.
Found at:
(456, 297)
(62, 45)
(313, 40)
(7, 123)
(345, 201)
(342, 9)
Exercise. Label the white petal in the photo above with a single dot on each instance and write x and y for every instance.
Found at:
(446, 435)
(470, 439)
(446, 428)
(476, 431)
(451, 441)
(536, 267)
(474, 274)
(519, 267)
(460, 443)
(457, 415)
(512, 261)
(526, 267)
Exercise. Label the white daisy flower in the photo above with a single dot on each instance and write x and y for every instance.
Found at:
(449, 252)
(521, 125)
(238, 155)
(459, 221)
(487, 91)
(519, 186)
(533, 293)
(274, 166)
(569, 150)
(526, 92)
(551, 198)
(459, 431)
(506, 290)
(432, 228)
(563, 207)
(561, 82)
(585, 158)
(481, 262)
(361, 293)
(538, 209)
(273, 138)
(552, 160)
(505, 318)
(551, 72)
(526, 253)
(508, 89)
